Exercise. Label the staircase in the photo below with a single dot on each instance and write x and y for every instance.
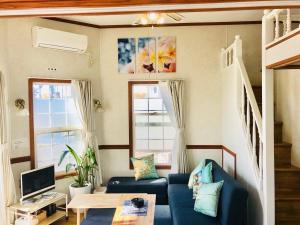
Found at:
(287, 177)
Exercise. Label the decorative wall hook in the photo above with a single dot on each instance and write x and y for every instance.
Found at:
(20, 104)
(98, 105)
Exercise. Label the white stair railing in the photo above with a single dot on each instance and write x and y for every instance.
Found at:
(279, 16)
(247, 106)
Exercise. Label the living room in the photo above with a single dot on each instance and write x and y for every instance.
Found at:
(211, 128)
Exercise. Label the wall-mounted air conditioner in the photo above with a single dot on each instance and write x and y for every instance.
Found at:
(61, 40)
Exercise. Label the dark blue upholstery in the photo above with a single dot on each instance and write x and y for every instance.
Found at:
(99, 217)
(187, 216)
(104, 216)
(176, 179)
(150, 186)
(232, 203)
(162, 215)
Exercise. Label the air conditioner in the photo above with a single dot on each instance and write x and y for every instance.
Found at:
(56, 39)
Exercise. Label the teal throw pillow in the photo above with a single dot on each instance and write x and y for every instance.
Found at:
(207, 199)
(203, 177)
(144, 167)
(194, 172)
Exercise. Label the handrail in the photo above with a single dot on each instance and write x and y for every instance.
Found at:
(247, 106)
(250, 94)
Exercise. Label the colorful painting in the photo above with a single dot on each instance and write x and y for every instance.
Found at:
(126, 55)
(146, 55)
(166, 59)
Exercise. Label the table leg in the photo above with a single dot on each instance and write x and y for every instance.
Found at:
(78, 216)
(84, 213)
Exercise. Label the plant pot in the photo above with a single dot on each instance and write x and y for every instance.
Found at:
(79, 190)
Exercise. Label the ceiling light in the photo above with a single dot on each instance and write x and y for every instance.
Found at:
(161, 20)
(144, 20)
(153, 16)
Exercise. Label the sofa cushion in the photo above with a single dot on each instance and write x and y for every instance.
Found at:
(233, 198)
(187, 216)
(144, 167)
(99, 216)
(130, 185)
(104, 216)
(180, 196)
(208, 198)
(162, 215)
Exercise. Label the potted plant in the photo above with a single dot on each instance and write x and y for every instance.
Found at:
(84, 166)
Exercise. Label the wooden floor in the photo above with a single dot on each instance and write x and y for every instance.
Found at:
(70, 221)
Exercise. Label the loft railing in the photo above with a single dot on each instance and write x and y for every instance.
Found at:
(282, 20)
(247, 106)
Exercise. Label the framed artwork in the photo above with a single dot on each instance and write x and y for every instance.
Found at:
(126, 55)
(146, 55)
(166, 57)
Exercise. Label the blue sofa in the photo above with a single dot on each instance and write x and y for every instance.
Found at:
(180, 211)
(159, 187)
(232, 202)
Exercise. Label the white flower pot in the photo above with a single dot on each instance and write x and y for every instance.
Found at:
(79, 190)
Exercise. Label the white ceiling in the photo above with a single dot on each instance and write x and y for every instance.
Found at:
(189, 17)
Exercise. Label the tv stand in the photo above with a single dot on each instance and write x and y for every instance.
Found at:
(29, 209)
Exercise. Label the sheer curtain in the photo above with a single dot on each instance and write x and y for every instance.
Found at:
(7, 184)
(82, 91)
(172, 92)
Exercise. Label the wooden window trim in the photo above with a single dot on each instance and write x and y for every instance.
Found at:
(130, 119)
(31, 81)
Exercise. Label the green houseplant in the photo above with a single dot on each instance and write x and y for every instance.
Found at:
(85, 166)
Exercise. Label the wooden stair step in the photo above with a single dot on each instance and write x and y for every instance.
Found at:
(282, 155)
(287, 179)
(257, 90)
(278, 131)
(287, 211)
(281, 193)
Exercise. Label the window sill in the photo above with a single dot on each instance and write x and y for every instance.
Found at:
(163, 167)
(62, 175)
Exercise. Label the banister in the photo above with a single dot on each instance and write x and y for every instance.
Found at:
(250, 94)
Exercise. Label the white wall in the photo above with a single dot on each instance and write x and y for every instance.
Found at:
(25, 61)
(233, 137)
(198, 63)
(287, 92)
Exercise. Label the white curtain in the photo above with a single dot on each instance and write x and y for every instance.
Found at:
(82, 92)
(7, 184)
(172, 92)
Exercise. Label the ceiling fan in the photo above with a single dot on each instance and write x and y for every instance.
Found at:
(156, 18)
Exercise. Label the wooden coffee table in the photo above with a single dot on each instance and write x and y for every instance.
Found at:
(98, 201)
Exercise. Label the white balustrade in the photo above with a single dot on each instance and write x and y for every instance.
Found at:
(248, 106)
(286, 20)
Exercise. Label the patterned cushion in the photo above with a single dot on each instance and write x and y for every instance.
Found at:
(144, 167)
(194, 172)
(203, 177)
(208, 198)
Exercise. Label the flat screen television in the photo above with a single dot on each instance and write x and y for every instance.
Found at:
(37, 181)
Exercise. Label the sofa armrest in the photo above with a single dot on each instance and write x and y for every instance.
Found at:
(182, 178)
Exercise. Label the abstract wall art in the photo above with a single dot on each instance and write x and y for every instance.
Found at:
(146, 55)
(166, 56)
(126, 55)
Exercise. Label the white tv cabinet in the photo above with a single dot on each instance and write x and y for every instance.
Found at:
(29, 209)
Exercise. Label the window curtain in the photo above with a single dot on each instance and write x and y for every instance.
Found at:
(172, 92)
(82, 92)
(7, 184)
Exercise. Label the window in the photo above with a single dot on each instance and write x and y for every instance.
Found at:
(150, 127)
(54, 122)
